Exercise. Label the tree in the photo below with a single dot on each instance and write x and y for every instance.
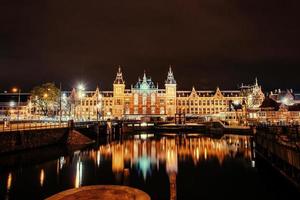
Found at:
(46, 98)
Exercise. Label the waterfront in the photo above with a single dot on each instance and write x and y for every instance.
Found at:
(165, 167)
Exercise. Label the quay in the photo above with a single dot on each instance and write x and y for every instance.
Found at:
(280, 147)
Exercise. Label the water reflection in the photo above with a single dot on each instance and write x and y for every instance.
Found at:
(78, 176)
(146, 154)
(42, 177)
(9, 180)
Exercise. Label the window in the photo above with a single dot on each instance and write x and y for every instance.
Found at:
(144, 110)
(179, 102)
(162, 110)
(136, 99)
(136, 110)
(153, 99)
(144, 99)
(153, 110)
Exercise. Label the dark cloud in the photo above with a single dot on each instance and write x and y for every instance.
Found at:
(209, 42)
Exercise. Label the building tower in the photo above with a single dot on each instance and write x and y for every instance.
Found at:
(118, 95)
(170, 86)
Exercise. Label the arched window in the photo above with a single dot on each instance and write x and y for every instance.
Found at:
(144, 99)
(136, 99)
(153, 99)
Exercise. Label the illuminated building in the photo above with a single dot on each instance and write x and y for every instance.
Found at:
(145, 100)
(10, 108)
(278, 112)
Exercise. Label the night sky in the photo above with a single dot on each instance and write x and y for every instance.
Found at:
(209, 43)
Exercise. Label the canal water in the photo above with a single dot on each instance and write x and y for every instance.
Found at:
(166, 167)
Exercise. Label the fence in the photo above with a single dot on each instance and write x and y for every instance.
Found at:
(30, 125)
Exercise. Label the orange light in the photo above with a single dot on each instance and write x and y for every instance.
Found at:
(15, 90)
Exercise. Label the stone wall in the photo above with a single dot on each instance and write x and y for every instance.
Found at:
(21, 140)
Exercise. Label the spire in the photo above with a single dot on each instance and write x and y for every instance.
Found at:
(170, 77)
(119, 78)
(256, 82)
(144, 76)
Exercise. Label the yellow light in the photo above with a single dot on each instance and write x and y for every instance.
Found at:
(80, 87)
(42, 177)
(45, 95)
(15, 90)
(9, 179)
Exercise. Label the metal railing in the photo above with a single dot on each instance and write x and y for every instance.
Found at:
(33, 125)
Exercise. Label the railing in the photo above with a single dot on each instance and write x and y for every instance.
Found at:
(34, 125)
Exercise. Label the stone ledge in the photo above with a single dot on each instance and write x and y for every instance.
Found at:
(103, 192)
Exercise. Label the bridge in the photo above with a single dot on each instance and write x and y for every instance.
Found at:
(21, 135)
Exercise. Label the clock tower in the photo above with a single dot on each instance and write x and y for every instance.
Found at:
(170, 86)
(118, 95)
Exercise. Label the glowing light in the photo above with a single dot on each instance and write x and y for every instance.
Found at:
(12, 104)
(81, 87)
(98, 158)
(42, 177)
(143, 124)
(9, 180)
(144, 165)
(64, 96)
(62, 161)
(253, 163)
(205, 153)
(236, 102)
(15, 90)
(78, 177)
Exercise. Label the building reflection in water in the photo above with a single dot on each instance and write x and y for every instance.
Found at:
(9, 180)
(42, 177)
(146, 154)
(78, 176)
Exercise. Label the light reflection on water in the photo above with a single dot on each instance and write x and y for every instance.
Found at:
(136, 162)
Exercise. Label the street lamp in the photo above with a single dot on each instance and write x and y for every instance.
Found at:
(15, 90)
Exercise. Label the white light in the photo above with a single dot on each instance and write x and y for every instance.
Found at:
(143, 124)
(236, 102)
(81, 87)
(253, 163)
(12, 104)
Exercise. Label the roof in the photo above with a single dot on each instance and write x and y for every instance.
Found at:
(208, 93)
(144, 84)
(270, 103)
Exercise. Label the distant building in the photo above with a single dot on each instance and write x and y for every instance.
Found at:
(145, 100)
(13, 106)
(286, 97)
